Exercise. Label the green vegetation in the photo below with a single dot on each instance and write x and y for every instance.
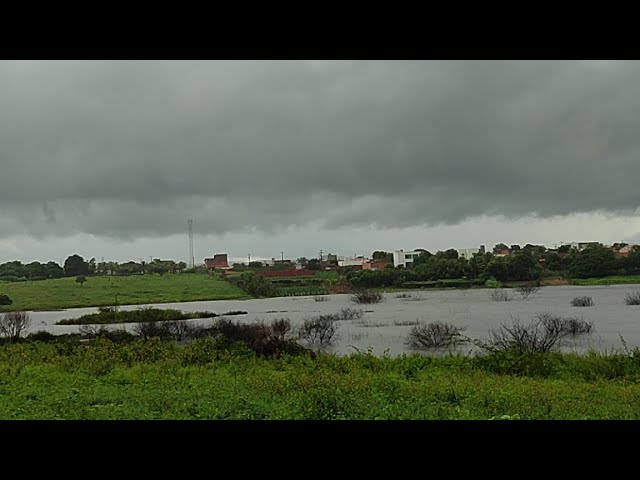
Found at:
(108, 291)
(108, 315)
(610, 280)
(206, 380)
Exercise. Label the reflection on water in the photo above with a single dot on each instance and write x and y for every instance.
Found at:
(385, 326)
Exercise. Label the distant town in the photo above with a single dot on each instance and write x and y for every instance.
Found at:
(403, 258)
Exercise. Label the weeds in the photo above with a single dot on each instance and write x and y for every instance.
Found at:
(582, 302)
(367, 297)
(632, 298)
(527, 290)
(500, 295)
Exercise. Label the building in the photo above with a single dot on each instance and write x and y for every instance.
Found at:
(218, 262)
(468, 253)
(353, 262)
(401, 258)
(621, 250)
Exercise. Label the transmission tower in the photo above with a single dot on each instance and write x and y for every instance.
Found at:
(192, 262)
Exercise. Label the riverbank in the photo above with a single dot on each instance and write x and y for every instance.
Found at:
(162, 380)
(64, 293)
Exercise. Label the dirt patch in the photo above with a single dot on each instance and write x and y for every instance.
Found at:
(554, 281)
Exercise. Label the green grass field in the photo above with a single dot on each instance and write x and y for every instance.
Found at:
(131, 290)
(612, 280)
(156, 380)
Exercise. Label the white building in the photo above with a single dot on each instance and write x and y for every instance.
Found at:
(352, 262)
(400, 257)
(468, 253)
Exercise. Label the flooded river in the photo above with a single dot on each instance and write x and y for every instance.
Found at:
(384, 326)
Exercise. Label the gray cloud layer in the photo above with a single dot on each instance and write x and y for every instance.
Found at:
(135, 148)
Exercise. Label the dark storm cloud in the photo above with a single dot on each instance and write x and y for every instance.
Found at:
(129, 148)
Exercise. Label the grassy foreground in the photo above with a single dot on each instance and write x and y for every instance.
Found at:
(64, 293)
(163, 380)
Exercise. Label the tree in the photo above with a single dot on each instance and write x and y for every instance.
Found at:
(382, 256)
(81, 279)
(35, 271)
(593, 262)
(500, 246)
(53, 270)
(313, 264)
(75, 265)
(12, 325)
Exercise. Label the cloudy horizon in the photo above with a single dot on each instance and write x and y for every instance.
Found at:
(109, 159)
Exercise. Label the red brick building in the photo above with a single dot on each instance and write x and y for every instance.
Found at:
(218, 262)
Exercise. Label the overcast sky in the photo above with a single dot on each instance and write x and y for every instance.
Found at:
(109, 159)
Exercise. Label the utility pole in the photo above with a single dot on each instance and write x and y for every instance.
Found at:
(321, 255)
(249, 255)
(282, 253)
(191, 257)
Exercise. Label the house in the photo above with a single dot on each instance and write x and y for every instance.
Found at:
(218, 262)
(468, 253)
(621, 249)
(374, 265)
(402, 258)
(356, 262)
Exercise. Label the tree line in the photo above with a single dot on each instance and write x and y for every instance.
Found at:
(529, 263)
(75, 265)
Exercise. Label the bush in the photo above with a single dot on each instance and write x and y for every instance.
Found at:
(527, 290)
(41, 336)
(576, 326)
(274, 339)
(350, 314)
(500, 295)
(318, 330)
(366, 297)
(5, 300)
(582, 302)
(544, 334)
(632, 298)
(12, 325)
(403, 295)
(435, 335)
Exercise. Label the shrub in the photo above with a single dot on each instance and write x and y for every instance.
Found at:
(151, 330)
(350, 314)
(320, 298)
(5, 300)
(12, 325)
(576, 326)
(500, 295)
(403, 295)
(318, 330)
(527, 290)
(41, 336)
(367, 297)
(632, 298)
(435, 335)
(274, 339)
(582, 302)
(544, 334)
